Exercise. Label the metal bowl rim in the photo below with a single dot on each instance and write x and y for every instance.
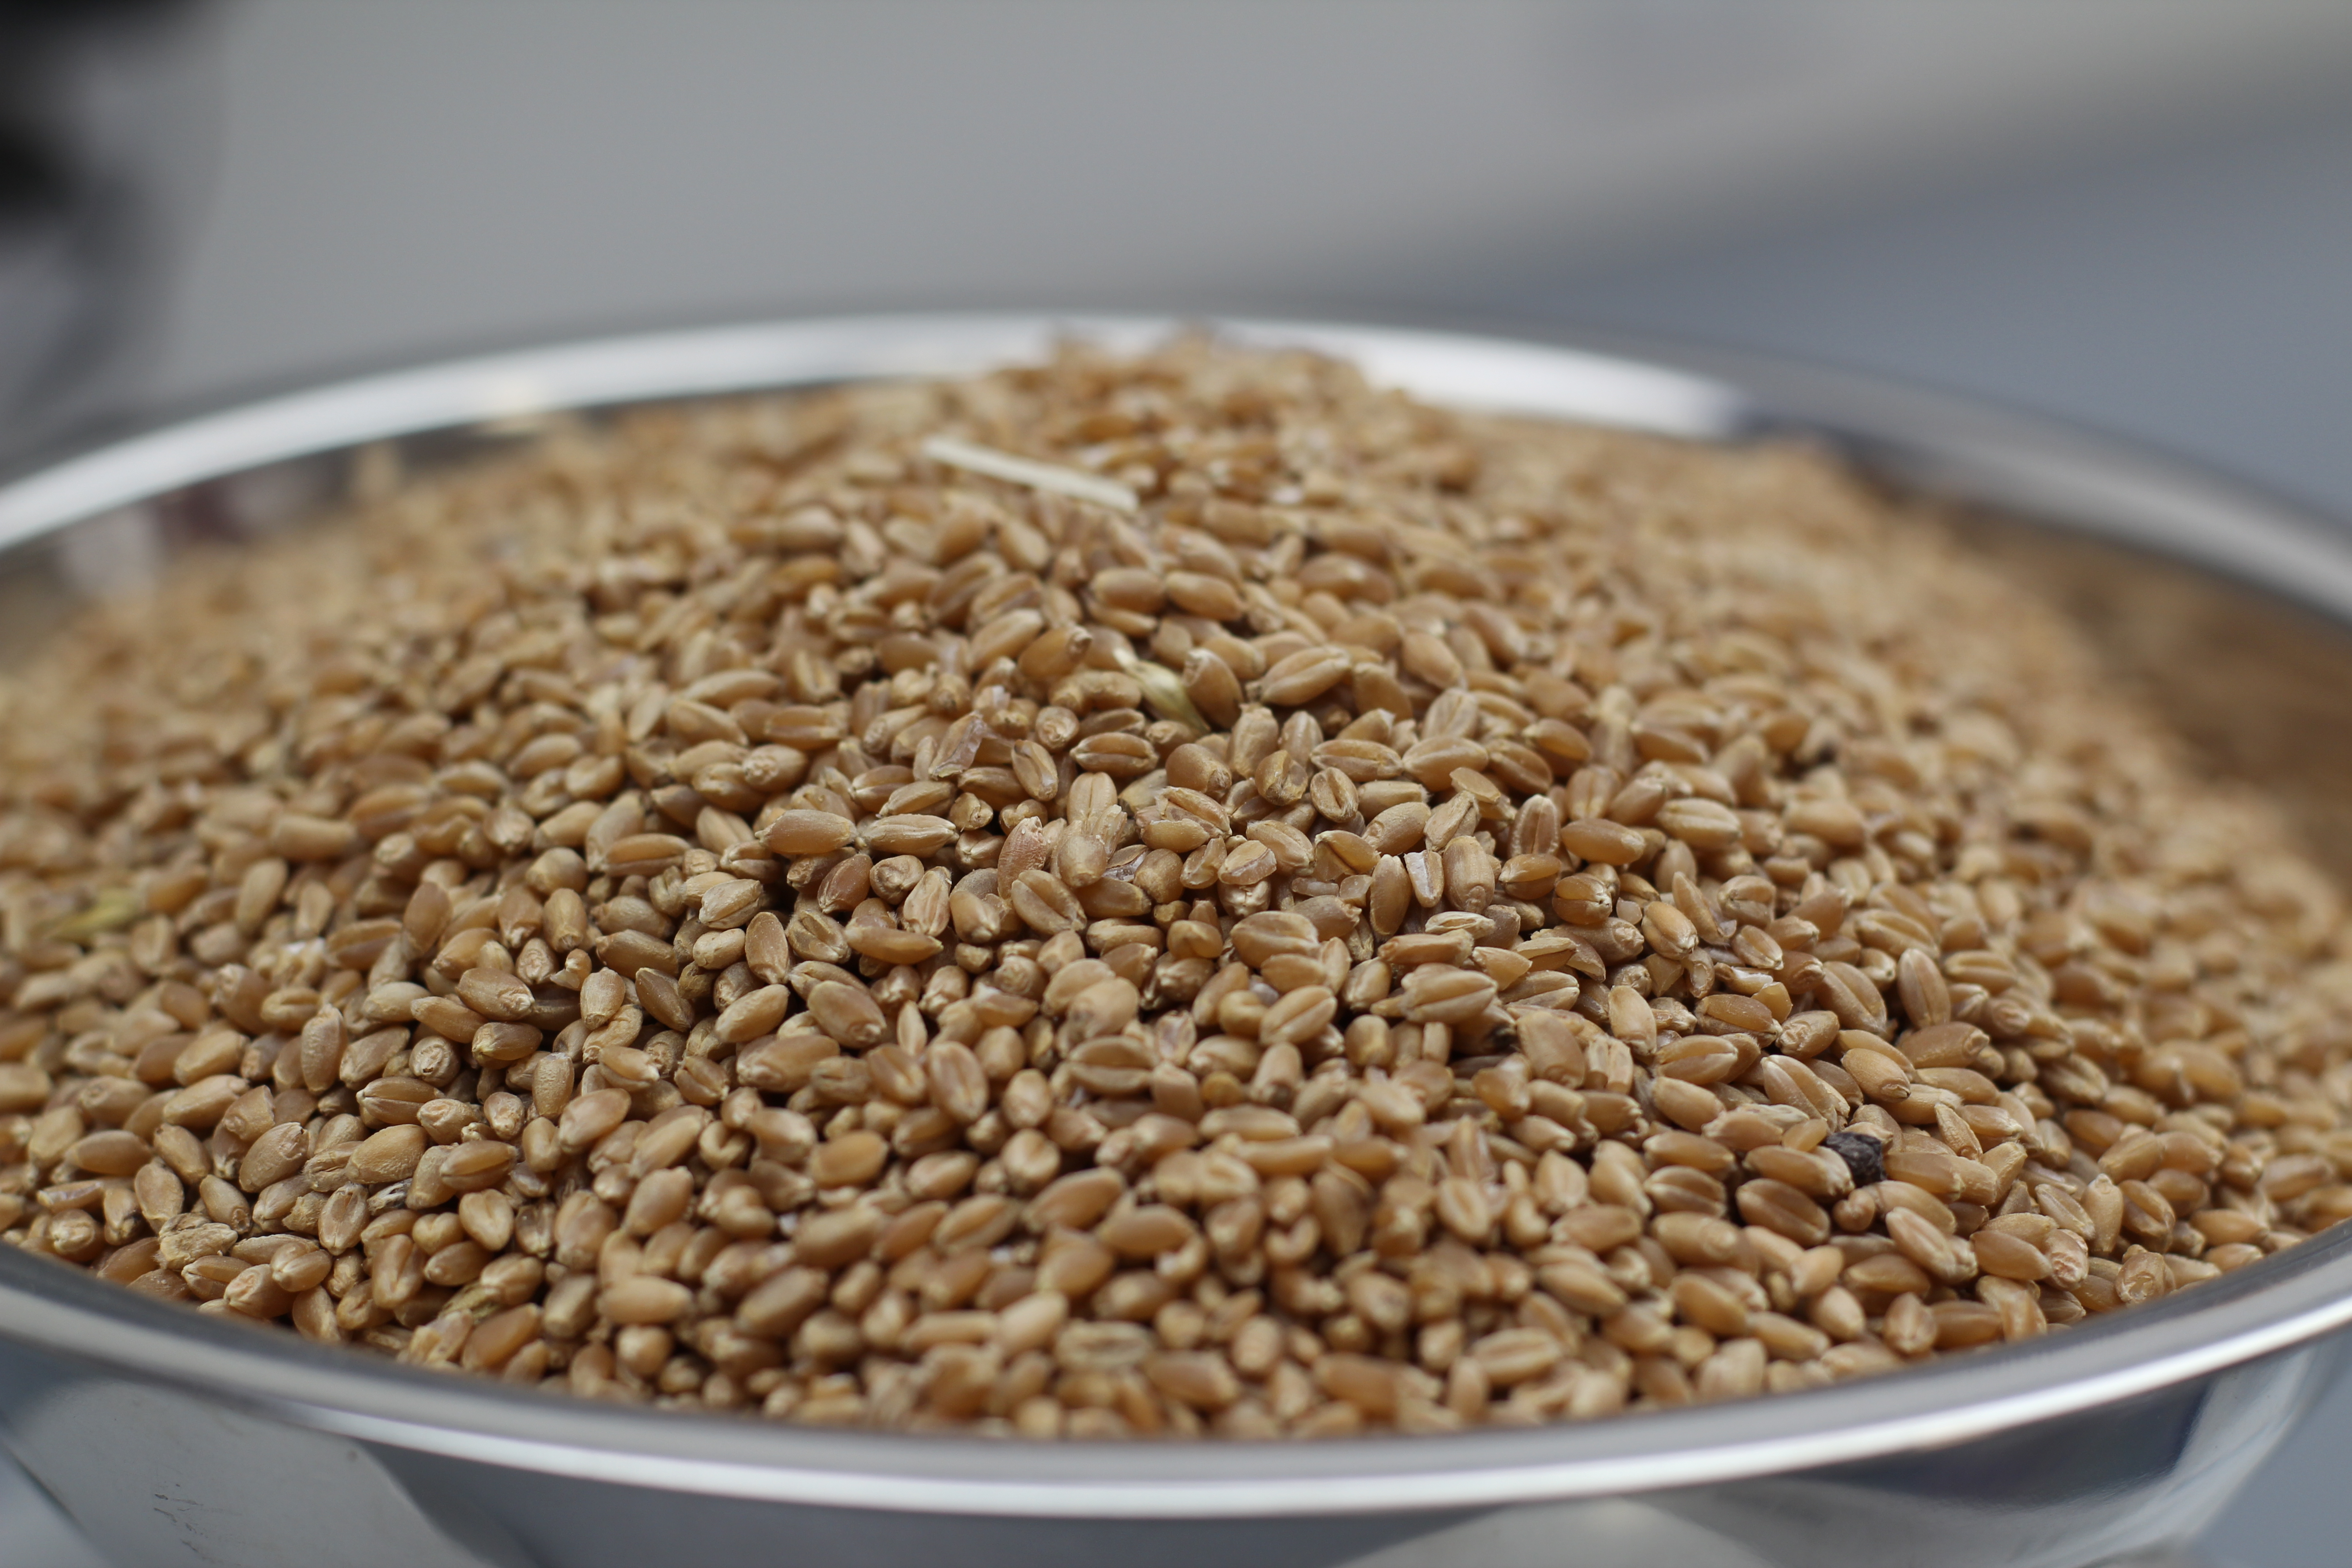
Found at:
(1976, 451)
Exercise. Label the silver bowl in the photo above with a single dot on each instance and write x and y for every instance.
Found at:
(172, 1438)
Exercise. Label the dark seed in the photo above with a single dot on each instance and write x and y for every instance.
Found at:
(1862, 1154)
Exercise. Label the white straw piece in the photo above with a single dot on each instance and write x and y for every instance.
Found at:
(1037, 476)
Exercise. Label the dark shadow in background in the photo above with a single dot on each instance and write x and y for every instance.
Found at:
(100, 141)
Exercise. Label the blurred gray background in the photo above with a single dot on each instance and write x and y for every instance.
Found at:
(2137, 214)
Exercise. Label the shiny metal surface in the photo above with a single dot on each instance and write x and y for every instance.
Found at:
(172, 1438)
